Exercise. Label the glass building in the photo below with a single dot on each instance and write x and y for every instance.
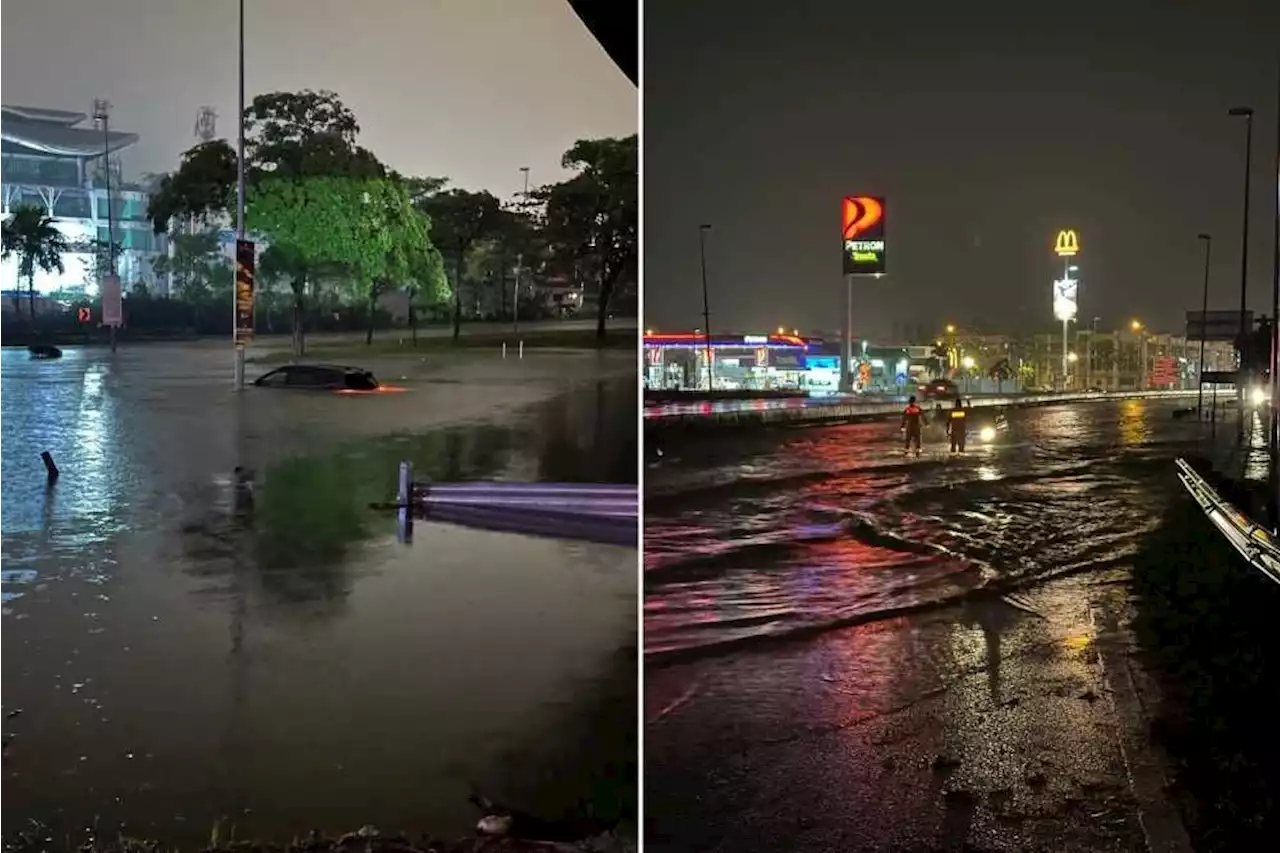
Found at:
(54, 160)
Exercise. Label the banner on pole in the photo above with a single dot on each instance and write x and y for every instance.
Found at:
(112, 301)
(244, 290)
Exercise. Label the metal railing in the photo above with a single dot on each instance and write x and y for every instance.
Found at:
(1253, 541)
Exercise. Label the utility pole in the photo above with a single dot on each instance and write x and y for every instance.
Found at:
(101, 113)
(515, 296)
(1247, 113)
(1204, 325)
(236, 344)
(706, 307)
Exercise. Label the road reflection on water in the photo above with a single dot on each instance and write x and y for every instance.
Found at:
(852, 650)
(203, 617)
(795, 531)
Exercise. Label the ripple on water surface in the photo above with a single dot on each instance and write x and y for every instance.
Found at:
(203, 617)
(775, 534)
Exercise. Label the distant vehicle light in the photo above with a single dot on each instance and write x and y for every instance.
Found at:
(987, 434)
(1260, 396)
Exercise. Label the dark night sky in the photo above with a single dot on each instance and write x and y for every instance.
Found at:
(988, 126)
(472, 89)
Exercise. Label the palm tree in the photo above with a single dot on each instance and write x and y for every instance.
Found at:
(30, 234)
(5, 250)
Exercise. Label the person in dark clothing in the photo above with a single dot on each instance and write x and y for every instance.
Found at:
(958, 426)
(912, 416)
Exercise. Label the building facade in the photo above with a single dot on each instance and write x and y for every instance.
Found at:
(58, 161)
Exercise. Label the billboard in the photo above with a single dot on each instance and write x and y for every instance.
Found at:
(1216, 325)
(862, 229)
(1065, 293)
(112, 306)
(1067, 245)
(244, 291)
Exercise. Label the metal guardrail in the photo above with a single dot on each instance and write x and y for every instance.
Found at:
(1253, 541)
(818, 410)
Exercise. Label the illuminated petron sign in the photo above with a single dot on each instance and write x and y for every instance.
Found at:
(862, 219)
(1065, 291)
(1067, 245)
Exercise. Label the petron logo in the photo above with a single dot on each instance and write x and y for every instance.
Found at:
(862, 227)
(1067, 244)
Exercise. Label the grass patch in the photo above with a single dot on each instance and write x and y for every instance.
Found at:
(398, 342)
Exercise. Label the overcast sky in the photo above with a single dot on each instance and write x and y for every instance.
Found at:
(987, 125)
(471, 89)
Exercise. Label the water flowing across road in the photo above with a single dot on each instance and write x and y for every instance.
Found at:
(756, 536)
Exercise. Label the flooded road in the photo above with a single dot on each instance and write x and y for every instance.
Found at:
(795, 531)
(850, 650)
(183, 641)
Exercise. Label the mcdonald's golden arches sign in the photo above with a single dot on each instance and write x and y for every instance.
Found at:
(1067, 244)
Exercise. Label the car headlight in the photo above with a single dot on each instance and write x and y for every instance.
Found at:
(987, 434)
(1259, 396)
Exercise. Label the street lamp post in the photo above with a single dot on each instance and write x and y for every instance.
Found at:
(1247, 113)
(237, 345)
(1204, 324)
(515, 295)
(706, 305)
(100, 113)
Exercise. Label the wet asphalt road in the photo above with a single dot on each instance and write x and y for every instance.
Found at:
(181, 643)
(848, 650)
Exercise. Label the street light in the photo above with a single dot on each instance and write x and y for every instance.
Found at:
(1204, 324)
(1072, 357)
(951, 330)
(1136, 325)
(782, 330)
(237, 344)
(967, 362)
(515, 293)
(1247, 114)
(706, 307)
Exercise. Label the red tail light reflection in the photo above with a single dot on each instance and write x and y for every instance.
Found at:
(381, 389)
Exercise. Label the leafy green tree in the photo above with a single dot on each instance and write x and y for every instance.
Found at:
(305, 134)
(203, 188)
(427, 285)
(31, 235)
(459, 218)
(201, 273)
(591, 220)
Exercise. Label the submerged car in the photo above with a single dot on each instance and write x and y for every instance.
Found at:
(318, 377)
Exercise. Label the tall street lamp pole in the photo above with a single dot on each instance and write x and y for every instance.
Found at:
(1275, 331)
(1247, 113)
(236, 344)
(515, 295)
(706, 305)
(1204, 324)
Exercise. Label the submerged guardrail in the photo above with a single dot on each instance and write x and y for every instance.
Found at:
(1253, 541)
(594, 512)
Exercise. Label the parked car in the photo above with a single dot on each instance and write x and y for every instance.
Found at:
(939, 388)
(318, 377)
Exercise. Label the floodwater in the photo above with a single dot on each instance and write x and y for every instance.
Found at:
(791, 532)
(185, 642)
(852, 650)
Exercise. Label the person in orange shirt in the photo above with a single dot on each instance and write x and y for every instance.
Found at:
(912, 416)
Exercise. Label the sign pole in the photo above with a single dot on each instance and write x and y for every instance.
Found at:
(846, 359)
(238, 343)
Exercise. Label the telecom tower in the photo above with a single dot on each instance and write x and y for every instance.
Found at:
(206, 124)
